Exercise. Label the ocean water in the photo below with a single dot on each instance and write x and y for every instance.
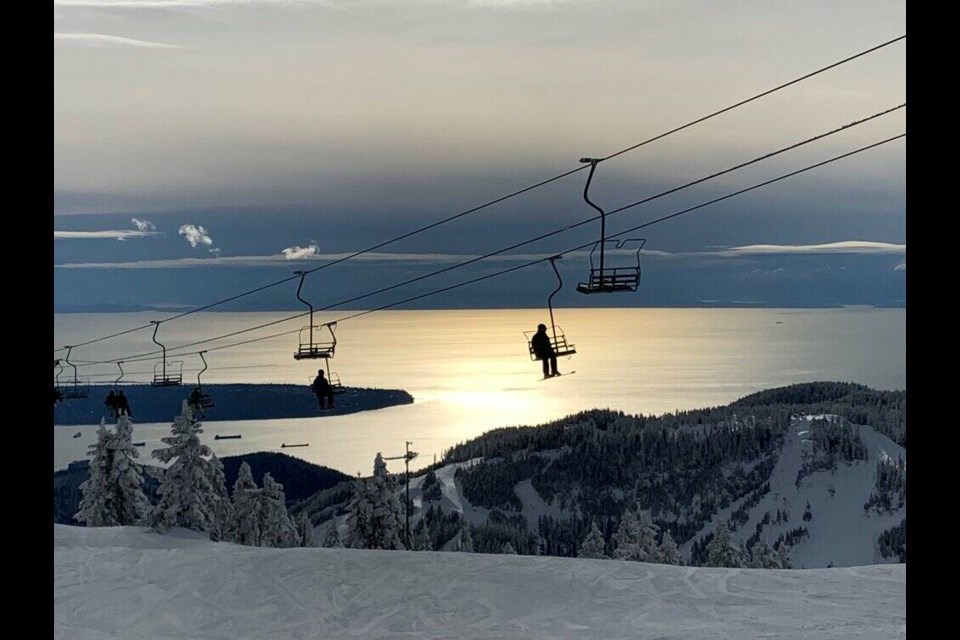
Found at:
(469, 371)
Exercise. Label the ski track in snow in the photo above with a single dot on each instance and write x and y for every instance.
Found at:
(128, 582)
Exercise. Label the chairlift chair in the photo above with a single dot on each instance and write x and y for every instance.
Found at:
(116, 383)
(613, 279)
(204, 401)
(80, 387)
(558, 341)
(165, 373)
(604, 279)
(312, 343)
(332, 379)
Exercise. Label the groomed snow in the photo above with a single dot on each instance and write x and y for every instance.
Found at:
(127, 582)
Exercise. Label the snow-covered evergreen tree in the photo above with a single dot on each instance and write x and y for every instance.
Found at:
(276, 528)
(305, 530)
(783, 556)
(97, 508)
(379, 467)
(762, 556)
(187, 499)
(359, 516)
(669, 552)
(508, 548)
(375, 516)
(223, 520)
(466, 539)
(593, 545)
(126, 476)
(722, 551)
(333, 537)
(636, 538)
(421, 540)
(246, 508)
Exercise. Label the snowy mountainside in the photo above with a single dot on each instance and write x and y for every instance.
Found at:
(130, 582)
(841, 532)
(754, 466)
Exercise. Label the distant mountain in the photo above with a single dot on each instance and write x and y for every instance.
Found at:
(801, 465)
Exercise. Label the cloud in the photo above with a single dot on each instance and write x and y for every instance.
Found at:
(102, 39)
(901, 267)
(846, 246)
(143, 225)
(112, 234)
(299, 253)
(195, 235)
(281, 260)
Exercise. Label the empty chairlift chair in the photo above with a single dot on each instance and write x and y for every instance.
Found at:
(198, 398)
(57, 370)
(165, 373)
(80, 387)
(604, 278)
(316, 341)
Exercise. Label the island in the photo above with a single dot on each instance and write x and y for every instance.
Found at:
(230, 402)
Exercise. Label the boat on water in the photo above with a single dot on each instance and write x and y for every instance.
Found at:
(139, 444)
(287, 446)
(232, 437)
(77, 434)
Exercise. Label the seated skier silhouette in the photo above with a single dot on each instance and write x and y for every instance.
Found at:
(123, 405)
(544, 351)
(111, 402)
(322, 389)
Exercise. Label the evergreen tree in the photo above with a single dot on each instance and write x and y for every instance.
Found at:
(722, 552)
(379, 467)
(421, 540)
(375, 516)
(186, 495)
(223, 518)
(126, 476)
(359, 517)
(508, 548)
(332, 539)
(305, 531)
(466, 539)
(669, 552)
(783, 556)
(246, 508)
(636, 538)
(97, 508)
(276, 528)
(762, 556)
(593, 545)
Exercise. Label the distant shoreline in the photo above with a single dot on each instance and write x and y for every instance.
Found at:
(232, 402)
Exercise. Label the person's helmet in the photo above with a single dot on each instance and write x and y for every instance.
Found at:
(541, 327)
(320, 372)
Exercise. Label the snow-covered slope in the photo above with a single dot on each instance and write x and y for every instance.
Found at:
(126, 582)
(842, 534)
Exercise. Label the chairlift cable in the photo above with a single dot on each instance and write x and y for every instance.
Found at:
(510, 195)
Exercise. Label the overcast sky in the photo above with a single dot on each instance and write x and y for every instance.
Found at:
(202, 130)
